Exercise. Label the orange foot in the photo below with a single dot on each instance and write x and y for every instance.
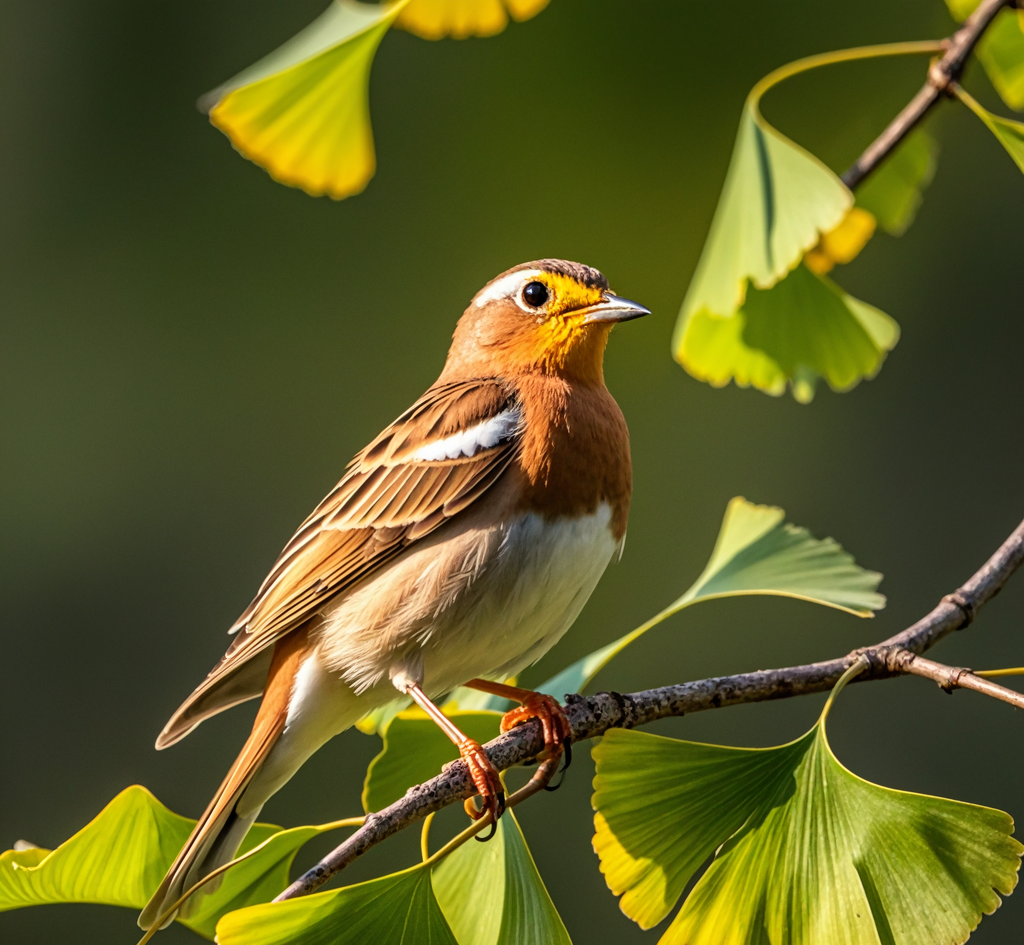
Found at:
(557, 730)
(486, 780)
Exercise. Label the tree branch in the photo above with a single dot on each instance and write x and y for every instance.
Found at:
(940, 75)
(593, 715)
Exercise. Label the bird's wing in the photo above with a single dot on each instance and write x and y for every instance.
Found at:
(436, 459)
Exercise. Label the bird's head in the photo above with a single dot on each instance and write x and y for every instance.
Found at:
(549, 317)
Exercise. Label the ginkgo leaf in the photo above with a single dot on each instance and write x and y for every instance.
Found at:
(811, 328)
(399, 909)
(415, 749)
(303, 112)
(121, 856)
(893, 192)
(1000, 50)
(757, 552)
(780, 206)
(1010, 133)
(492, 894)
(801, 329)
(805, 852)
(459, 19)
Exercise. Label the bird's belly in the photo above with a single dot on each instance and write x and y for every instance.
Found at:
(543, 575)
(484, 601)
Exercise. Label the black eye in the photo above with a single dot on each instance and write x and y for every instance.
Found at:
(535, 294)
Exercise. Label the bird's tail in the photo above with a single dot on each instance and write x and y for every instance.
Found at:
(223, 826)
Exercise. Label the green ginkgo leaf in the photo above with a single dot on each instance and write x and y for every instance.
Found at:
(303, 112)
(801, 329)
(805, 852)
(399, 909)
(779, 205)
(1000, 50)
(492, 894)
(1010, 133)
(893, 193)
(121, 856)
(415, 749)
(756, 553)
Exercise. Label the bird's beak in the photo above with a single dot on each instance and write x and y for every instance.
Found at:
(612, 308)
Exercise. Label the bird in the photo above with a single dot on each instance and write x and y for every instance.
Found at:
(457, 549)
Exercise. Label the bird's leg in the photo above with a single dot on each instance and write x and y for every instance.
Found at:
(535, 705)
(481, 770)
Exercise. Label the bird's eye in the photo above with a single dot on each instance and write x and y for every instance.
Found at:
(535, 294)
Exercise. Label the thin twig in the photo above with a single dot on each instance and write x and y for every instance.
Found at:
(947, 70)
(956, 677)
(594, 715)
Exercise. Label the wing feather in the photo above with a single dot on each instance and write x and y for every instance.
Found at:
(385, 502)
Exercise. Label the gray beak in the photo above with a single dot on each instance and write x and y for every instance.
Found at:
(612, 308)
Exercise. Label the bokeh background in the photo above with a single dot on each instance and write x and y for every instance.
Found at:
(191, 353)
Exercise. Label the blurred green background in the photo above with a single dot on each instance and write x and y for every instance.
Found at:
(191, 353)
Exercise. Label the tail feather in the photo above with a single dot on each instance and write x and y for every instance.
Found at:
(221, 829)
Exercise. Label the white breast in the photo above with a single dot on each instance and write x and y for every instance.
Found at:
(484, 601)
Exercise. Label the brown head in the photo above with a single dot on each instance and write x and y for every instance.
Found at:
(545, 317)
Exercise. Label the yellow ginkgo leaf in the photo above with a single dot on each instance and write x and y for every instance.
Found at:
(303, 112)
(842, 244)
(459, 19)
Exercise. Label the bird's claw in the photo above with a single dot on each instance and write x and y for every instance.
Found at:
(555, 725)
(487, 781)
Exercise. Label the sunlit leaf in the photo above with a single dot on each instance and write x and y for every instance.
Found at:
(841, 245)
(1000, 50)
(1010, 133)
(779, 206)
(435, 19)
(893, 193)
(120, 857)
(258, 879)
(492, 894)
(399, 909)
(303, 111)
(805, 852)
(756, 553)
(415, 750)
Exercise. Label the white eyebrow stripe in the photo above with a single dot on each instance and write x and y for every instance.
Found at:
(467, 442)
(505, 286)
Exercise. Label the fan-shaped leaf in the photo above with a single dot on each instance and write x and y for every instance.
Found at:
(756, 553)
(302, 112)
(1010, 133)
(780, 205)
(492, 894)
(807, 852)
(1000, 50)
(803, 328)
(121, 856)
(399, 909)
(893, 193)
(415, 750)
(435, 19)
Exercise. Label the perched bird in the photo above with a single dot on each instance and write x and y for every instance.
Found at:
(459, 546)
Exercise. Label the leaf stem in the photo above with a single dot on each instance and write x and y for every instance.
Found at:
(914, 48)
(425, 836)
